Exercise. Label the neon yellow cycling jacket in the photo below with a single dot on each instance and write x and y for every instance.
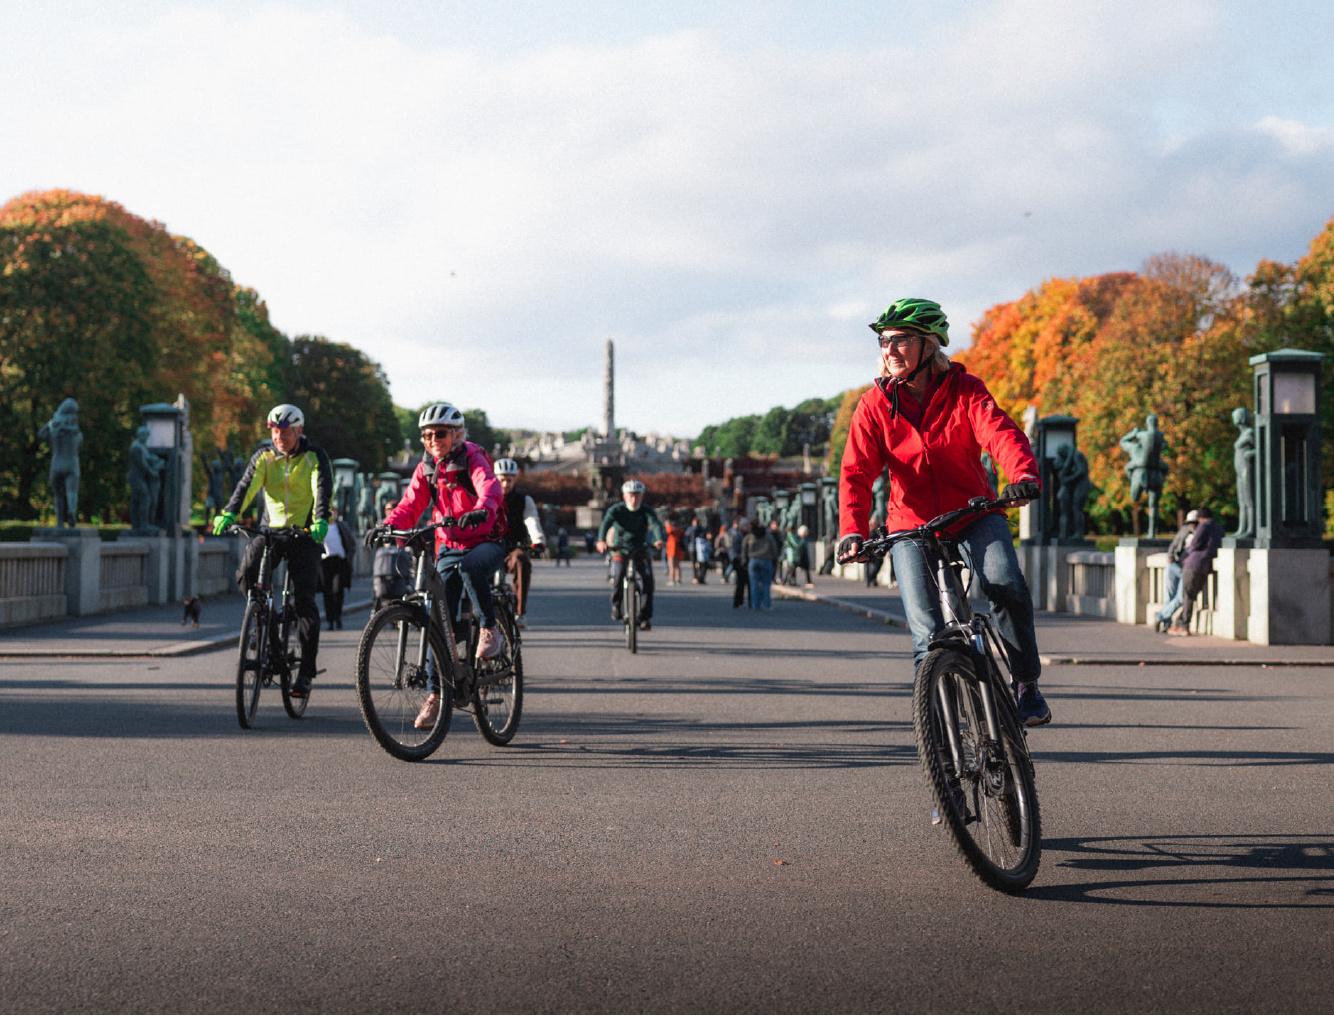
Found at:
(296, 487)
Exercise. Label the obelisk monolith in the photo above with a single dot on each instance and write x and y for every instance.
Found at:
(609, 393)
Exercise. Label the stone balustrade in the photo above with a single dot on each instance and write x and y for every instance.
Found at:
(32, 582)
(123, 576)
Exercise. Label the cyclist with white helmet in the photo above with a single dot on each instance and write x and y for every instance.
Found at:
(927, 421)
(455, 480)
(297, 482)
(631, 525)
(523, 539)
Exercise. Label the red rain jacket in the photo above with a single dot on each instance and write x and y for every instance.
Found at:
(932, 470)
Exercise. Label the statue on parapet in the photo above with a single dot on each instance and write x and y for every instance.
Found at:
(1147, 467)
(216, 493)
(879, 498)
(1243, 461)
(366, 517)
(62, 433)
(1071, 469)
(145, 478)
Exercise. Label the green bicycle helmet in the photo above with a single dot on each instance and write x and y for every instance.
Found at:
(916, 313)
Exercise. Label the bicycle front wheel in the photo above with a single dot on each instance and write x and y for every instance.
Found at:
(250, 657)
(498, 701)
(291, 663)
(983, 788)
(393, 685)
(631, 612)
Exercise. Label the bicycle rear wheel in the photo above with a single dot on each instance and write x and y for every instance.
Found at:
(986, 795)
(250, 658)
(498, 699)
(392, 687)
(291, 665)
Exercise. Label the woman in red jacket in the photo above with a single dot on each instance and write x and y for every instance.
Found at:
(927, 421)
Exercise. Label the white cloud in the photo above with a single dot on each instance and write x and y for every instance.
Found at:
(482, 219)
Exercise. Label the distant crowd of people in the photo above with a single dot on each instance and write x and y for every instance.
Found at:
(744, 552)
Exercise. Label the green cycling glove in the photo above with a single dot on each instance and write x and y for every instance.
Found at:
(319, 530)
(221, 522)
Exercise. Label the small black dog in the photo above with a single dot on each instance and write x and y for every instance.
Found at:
(193, 608)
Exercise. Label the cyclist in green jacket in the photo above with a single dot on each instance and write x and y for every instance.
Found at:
(297, 482)
(631, 525)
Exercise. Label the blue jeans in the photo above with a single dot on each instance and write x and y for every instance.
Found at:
(761, 578)
(990, 555)
(1172, 590)
(478, 565)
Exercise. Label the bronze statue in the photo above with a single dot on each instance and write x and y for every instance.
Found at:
(879, 495)
(1243, 461)
(1071, 469)
(216, 495)
(62, 433)
(989, 467)
(1147, 467)
(145, 477)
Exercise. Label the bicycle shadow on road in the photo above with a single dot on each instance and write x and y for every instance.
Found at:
(1241, 871)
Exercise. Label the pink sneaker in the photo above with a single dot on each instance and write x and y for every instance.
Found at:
(489, 643)
(430, 712)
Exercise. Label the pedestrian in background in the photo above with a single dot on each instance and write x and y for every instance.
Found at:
(1176, 553)
(563, 547)
(336, 568)
(760, 550)
(674, 551)
(722, 552)
(703, 553)
(740, 566)
(1196, 566)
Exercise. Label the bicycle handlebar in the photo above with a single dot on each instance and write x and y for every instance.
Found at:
(877, 546)
(238, 529)
(382, 534)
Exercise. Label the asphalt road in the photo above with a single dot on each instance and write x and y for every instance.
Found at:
(733, 820)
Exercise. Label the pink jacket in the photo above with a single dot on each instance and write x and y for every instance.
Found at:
(446, 496)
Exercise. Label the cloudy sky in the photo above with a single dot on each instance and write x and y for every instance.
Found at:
(480, 194)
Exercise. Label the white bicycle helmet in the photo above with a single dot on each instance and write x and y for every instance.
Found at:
(633, 487)
(439, 414)
(286, 415)
(507, 467)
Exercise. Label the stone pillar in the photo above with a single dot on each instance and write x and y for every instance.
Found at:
(1289, 597)
(157, 570)
(1233, 607)
(83, 566)
(1056, 574)
(1132, 577)
(1033, 563)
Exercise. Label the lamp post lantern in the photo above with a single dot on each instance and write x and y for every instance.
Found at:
(1288, 503)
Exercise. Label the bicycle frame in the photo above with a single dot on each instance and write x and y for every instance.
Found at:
(963, 625)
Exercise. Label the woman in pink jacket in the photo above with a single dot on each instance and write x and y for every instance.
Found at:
(455, 480)
(927, 421)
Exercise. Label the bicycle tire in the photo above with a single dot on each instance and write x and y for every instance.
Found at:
(250, 660)
(294, 704)
(989, 808)
(498, 706)
(391, 689)
(631, 613)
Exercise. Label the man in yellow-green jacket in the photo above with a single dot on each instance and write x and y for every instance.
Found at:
(296, 480)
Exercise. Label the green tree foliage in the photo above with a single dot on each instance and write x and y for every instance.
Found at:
(780, 431)
(74, 301)
(345, 398)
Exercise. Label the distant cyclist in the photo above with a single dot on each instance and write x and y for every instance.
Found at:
(927, 421)
(455, 480)
(633, 529)
(296, 480)
(525, 537)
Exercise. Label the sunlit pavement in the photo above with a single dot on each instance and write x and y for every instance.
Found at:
(733, 819)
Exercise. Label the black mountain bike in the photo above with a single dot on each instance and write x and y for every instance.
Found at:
(632, 600)
(414, 647)
(970, 740)
(267, 648)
